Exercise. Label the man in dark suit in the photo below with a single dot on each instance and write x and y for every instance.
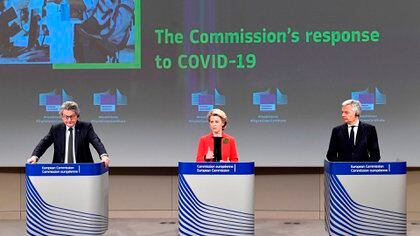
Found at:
(354, 140)
(71, 139)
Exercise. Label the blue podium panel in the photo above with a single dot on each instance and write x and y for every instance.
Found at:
(66, 199)
(216, 198)
(365, 198)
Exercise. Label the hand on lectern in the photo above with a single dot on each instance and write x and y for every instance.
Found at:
(105, 160)
(32, 160)
(209, 154)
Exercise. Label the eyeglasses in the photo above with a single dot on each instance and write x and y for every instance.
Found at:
(69, 117)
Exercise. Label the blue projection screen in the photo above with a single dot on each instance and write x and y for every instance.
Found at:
(146, 73)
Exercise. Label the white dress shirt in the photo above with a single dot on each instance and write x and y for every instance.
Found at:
(356, 127)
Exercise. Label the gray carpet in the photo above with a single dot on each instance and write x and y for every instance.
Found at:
(168, 227)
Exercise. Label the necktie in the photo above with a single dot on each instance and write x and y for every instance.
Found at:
(352, 135)
(70, 147)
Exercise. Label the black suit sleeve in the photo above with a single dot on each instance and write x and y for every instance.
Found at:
(95, 140)
(44, 144)
(332, 153)
(373, 146)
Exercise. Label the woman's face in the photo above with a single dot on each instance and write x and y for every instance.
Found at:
(216, 124)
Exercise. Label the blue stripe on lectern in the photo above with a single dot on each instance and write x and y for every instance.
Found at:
(216, 168)
(82, 169)
(366, 168)
(198, 218)
(45, 219)
(347, 217)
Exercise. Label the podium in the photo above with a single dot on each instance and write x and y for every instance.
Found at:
(66, 199)
(216, 198)
(365, 198)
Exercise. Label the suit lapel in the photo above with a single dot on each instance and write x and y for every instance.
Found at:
(345, 133)
(210, 142)
(76, 138)
(360, 131)
(62, 133)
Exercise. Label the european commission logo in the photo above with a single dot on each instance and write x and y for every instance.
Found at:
(369, 100)
(269, 101)
(206, 101)
(52, 101)
(108, 102)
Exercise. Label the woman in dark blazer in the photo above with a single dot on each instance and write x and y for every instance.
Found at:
(217, 146)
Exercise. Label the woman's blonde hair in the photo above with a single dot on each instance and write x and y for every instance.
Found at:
(219, 113)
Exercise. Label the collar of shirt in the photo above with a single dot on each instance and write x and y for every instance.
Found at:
(355, 125)
(67, 128)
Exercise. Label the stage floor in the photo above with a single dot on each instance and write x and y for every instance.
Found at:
(168, 227)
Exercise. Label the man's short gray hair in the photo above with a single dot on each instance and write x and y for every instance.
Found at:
(70, 105)
(356, 106)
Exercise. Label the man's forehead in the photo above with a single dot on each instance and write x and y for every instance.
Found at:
(347, 108)
(68, 112)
